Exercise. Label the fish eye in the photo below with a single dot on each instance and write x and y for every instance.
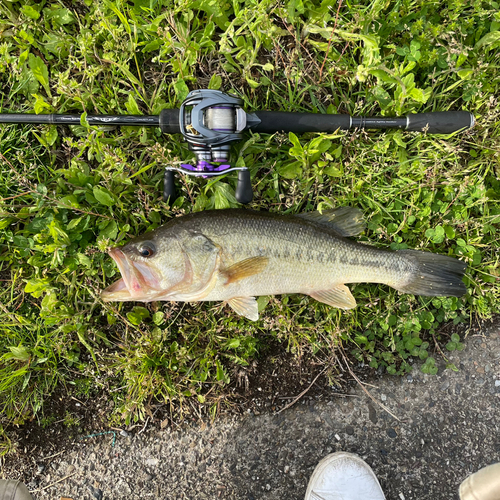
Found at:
(147, 249)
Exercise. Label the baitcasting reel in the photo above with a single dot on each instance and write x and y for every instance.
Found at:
(210, 120)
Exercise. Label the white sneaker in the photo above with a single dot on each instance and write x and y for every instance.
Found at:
(343, 476)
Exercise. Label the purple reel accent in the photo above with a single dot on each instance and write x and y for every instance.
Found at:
(205, 166)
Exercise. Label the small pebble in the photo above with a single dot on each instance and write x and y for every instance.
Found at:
(391, 433)
(497, 383)
(96, 492)
(124, 433)
(383, 397)
(445, 385)
(495, 354)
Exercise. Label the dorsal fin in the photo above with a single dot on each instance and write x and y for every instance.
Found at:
(346, 221)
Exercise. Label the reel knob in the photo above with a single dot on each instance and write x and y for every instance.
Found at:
(168, 186)
(244, 193)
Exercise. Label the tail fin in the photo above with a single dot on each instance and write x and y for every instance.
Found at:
(434, 275)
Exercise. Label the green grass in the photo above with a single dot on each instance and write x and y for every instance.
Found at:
(68, 194)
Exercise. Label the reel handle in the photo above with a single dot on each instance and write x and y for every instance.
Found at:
(168, 186)
(244, 193)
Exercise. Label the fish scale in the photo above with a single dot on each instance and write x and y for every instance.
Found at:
(302, 255)
(250, 253)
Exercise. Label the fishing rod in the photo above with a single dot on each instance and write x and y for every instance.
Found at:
(210, 120)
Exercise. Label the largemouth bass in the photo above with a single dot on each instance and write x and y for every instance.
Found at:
(236, 255)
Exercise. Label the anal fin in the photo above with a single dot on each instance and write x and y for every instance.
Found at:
(339, 296)
(245, 306)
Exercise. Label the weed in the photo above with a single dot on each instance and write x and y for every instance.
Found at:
(66, 194)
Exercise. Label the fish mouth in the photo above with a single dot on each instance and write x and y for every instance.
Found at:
(139, 281)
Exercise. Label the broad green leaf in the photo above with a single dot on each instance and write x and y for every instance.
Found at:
(83, 120)
(488, 39)
(5, 222)
(465, 74)
(158, 317)
(420, 95)
(41, 105)
(333, 171)
(69, 201)
(233, 344)
(253, 84)
(103, 196)
(181, 90)
(138, 315)
(132, 106)
(51, 135)
(153, 45)
(294, 140)
(84, 260)
(59, 17)
(19, 353)
(383, 75)
(30, 12)
(36, 286)
(40, 71)
(220, 371)
(262, 302)
(73, 223)
(221, 201)
(291, 170)
(110, 230)
(215, 82)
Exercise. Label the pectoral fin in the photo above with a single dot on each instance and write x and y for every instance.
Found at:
(245, 306)
(245, 268)
(339, 296)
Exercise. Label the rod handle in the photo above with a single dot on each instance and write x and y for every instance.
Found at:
(169, 121)
(440, 122)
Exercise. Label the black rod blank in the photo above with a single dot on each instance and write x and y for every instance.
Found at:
(55, 119)
(441, 122)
